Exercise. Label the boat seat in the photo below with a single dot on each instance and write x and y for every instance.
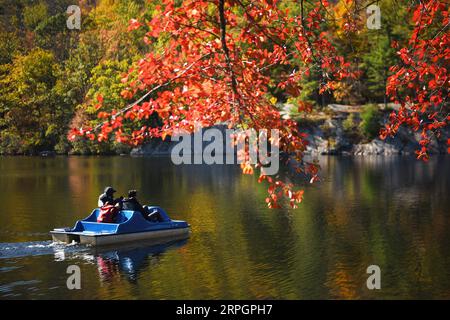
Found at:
(123, 216)
(98, 227)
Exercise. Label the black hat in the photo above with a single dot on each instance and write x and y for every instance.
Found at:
(109, 190)
(104, 198)
(132, 193)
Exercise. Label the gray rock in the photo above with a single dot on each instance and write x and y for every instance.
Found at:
(377, 147)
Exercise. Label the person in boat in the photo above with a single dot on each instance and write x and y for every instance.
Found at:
(108, 213)
(108, 196)
(132, 203)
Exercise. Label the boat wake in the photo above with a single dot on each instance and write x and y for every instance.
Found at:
(61, 250)
(36, 248)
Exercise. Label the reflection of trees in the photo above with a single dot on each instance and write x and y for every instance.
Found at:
(129, 261)
(384, 211)
(373, 210)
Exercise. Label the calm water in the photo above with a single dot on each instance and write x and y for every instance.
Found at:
(392, 212)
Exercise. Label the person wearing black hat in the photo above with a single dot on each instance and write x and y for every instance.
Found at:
(108, 197)
(132, 203)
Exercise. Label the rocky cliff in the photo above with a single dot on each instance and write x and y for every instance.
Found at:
(328, 135)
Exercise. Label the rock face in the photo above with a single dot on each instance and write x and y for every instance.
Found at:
(157, 147)
(335, 141)
(405, 142)
(377, 147)
(329, 138)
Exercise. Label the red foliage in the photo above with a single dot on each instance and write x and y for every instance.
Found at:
(420, 84)
(216, 69)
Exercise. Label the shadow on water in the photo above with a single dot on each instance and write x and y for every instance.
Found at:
(127, 260)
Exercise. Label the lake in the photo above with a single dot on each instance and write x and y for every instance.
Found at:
(392, 212)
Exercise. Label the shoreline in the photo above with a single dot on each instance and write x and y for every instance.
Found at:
(306, 155)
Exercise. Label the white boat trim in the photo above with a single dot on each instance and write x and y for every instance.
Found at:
(112, 238)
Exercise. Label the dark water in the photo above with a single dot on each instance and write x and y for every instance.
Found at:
(391, 212)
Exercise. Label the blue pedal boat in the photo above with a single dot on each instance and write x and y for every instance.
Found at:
(130, 226)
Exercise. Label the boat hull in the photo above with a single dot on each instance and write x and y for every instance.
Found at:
(108, 239)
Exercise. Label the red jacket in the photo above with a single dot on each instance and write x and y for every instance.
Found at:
(108, 214)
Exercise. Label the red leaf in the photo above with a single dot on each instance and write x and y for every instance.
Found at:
(133, 24)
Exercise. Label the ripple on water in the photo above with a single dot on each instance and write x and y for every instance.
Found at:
(10, 287)
(35, 248)
(8, 269)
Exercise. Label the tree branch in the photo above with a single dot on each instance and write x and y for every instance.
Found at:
(223, 26)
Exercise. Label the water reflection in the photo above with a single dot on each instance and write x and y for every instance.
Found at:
(129, 261)
(388, 211)
(126, 260)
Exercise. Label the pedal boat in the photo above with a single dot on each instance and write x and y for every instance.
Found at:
(130, 226)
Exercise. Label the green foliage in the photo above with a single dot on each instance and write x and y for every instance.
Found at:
(53, 34)
(377, 55)
(50, 76)
(34, 14)
(370, 124)
(349, 124)
(106, 80)
(351, 128)
(309, 92)
(9, 46)
(33, 112)
(376, 63)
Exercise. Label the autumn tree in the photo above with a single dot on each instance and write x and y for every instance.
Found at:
(420, 83)
(212, 62)
(32, 109)
(215, 67)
